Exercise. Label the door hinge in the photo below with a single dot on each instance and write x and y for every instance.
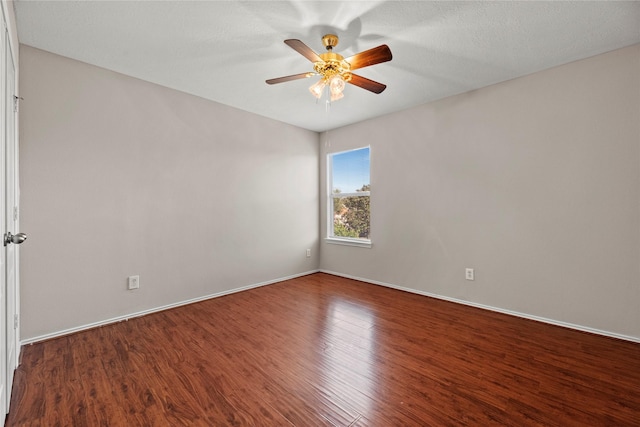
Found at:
(16, 321)
(15, 102)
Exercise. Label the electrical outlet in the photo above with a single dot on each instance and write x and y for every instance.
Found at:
(134, 282)
(469, 274)
(308, 253)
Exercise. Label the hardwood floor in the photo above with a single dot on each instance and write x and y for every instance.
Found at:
(327, 351)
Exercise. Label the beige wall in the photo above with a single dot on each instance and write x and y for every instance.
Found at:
(534, 182)
(122, 177)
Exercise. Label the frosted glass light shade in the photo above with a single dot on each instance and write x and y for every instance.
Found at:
(336, 85)
(317, 88)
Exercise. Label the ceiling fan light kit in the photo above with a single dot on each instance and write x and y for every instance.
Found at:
(334, 70)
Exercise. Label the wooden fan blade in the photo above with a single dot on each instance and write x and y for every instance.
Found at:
(289, 78)
(303, 49)
(373, 56)
(367, 84)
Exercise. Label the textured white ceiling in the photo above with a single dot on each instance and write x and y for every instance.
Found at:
(225, 50)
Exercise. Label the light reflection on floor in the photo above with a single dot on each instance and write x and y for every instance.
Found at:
(350, 352)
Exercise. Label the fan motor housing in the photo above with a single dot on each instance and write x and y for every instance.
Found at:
(332, 64)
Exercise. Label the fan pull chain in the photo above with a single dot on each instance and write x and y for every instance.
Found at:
(327, 105)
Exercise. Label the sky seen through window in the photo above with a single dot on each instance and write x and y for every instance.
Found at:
(351, 170)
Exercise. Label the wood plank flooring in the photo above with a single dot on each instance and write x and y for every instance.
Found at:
(327, 351)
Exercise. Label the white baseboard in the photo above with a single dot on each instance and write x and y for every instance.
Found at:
(488, 307)
(156, 309)
(374, 282)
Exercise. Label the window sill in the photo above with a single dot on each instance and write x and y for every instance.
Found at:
(348, 242)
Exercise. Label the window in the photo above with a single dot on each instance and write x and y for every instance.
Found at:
(349, 188)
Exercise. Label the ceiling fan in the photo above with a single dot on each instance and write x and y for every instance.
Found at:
(334, 69)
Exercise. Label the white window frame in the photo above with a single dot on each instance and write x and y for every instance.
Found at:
(338, 240)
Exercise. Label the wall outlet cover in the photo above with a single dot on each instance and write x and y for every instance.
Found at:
(469, 274)
(133, 282)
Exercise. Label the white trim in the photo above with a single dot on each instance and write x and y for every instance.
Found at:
(157, 309)
(356, 194)
(348, 242)
(491, 308)
(8, 12)
(373, 282)
(331, 195)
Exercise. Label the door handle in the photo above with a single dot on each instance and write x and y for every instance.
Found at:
(14, 238)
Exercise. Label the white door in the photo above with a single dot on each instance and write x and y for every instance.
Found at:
(11, 218)
(4, 393)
